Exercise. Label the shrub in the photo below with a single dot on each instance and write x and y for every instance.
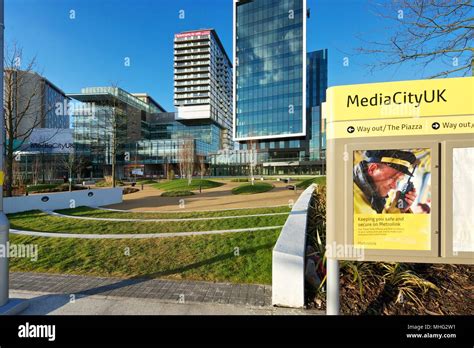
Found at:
(182, 185)
(249, 189)
(128, 190)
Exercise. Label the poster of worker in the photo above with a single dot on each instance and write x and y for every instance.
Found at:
(392, 199)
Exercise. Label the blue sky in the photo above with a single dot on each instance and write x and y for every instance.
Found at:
(90, 50)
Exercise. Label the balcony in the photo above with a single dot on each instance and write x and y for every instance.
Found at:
(192, 83)
(191, 57)
(192, 44)
(192, 89)
(191, 51)
(192, 76)
(193, 63)
(192, 95)
(191, 70)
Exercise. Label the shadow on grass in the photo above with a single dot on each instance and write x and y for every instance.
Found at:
(49, 303)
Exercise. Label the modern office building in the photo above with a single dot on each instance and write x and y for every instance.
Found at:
(203, 81)
(40, 125)
(270, 56)
(35, 101)
(317, 83)
(278, 90)
(148, 138)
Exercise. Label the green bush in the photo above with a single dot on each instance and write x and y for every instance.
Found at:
(108, 184)
(182, 185)
(41, 188)
(48, 188)
(177, 193)
(320, 180)
(249, 189)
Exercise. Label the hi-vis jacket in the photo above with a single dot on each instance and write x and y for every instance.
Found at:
(362, 205)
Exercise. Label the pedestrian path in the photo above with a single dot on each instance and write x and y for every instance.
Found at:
(53, 213)
(182, 291)
(188, 211)
(135, 235)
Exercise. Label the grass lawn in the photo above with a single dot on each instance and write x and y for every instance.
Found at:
(182, 185)
(320, 180)
(39, 221)
(177, 194)
(248, 189)
(91, 212)
(209, 258)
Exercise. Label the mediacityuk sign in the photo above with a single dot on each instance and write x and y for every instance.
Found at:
(194, 33)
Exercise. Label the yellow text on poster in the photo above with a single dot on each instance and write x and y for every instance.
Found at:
(392, 231)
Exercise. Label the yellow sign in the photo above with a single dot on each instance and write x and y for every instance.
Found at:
(401, 99)
(392, 199)
(392, 231)
(2, 177)
(402, 127)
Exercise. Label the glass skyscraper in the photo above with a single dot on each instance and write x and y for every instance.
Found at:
(317, 83)
(270, 69)
(279, 88)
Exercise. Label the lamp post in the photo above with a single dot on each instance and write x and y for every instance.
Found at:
(4, 225)
(7, 305)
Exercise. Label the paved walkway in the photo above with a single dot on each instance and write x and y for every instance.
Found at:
(167, 290)
(52, 213)
(135, 235)
(83, 295)
(210, 199)
(42, 303)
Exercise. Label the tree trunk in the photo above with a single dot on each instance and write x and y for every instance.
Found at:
(9, 172)
(114, 183)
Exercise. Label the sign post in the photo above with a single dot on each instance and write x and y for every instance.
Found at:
(7, 305)
(399, 173)
(332, 287)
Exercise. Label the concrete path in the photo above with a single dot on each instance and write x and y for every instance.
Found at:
(52, 213)
(135, 235)
(210, 199)
(184, 210)
(72, 294)
(42, 303)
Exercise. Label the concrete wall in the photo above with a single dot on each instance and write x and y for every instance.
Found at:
(288, 264)
(62, 200)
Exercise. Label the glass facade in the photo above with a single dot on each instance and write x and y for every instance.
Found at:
(52, 98)
(317, 83)
(269, 68)
(144, 134)
(288, 156)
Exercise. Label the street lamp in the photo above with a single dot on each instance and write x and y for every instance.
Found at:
(7, 305)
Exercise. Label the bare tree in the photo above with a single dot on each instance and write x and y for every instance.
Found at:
(187, 159)
(116, 122)
(423, 32)
(35, 170)
(73, 164)
(21, 111)
(202, 165)
(24, 107)
(252, 158)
